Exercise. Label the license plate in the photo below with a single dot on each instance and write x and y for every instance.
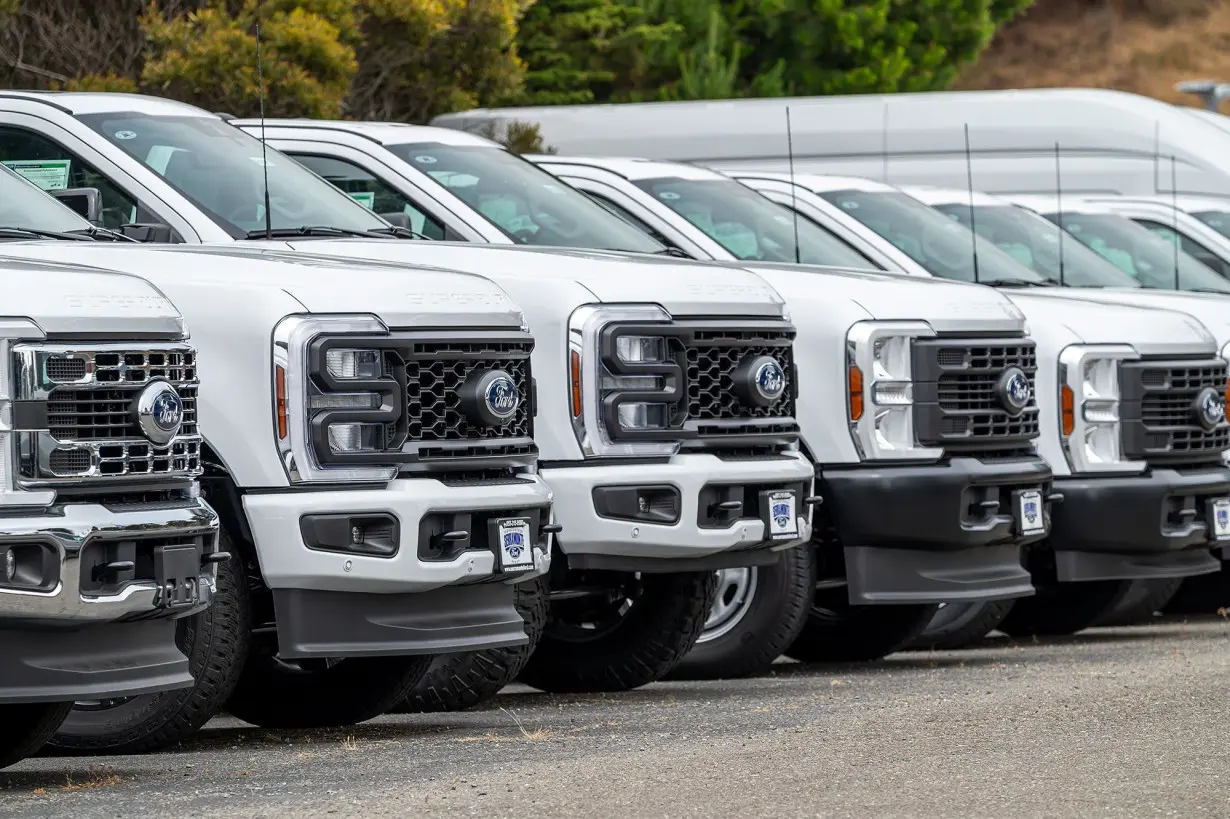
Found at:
(177, 570)
(780, 514)
(1221, 519)
(1033, 521)
(514, 548)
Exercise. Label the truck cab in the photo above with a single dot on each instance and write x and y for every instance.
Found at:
(107, 548)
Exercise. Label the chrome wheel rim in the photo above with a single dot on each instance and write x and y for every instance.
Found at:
(735, 592)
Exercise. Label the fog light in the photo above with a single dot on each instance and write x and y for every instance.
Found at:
(356, 437)
(642, 416)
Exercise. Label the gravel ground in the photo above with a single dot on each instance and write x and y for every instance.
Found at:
(1117, 722)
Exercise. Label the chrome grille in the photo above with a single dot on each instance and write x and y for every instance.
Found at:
(1158, 411)
(957, 395)
(80, 420)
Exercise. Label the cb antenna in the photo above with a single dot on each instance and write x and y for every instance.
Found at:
(260, 84)
(1059, 211)
(794, 209)
(1174, 208)
(973, 223)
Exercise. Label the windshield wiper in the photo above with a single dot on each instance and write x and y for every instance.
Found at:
(101, 234)
(1020, 283)
(398, 232)
(672, 251)
(306, 230)
(34, 233)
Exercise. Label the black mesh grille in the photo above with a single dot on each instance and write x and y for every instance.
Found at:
(711, 360)
(98, 413)
(65, 369)
(1158, 410)
(958, 398)
(435, 372)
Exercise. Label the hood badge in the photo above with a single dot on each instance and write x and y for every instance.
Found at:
(1014, 390)
(760, 380)
(490, 398)
(1210, 408)
(160, 413)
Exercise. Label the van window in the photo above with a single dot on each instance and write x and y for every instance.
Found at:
(222, 170)
(370, 191)
(524, 201)
(1219, 220)
(942, 246)
(750, 226)
(1147, 258)
(1034, 242)
(1188, 245)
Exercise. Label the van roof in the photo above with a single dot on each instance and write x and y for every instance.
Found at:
(385, 133)
(630, 168)
(818, 182)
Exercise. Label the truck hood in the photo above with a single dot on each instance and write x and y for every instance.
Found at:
(684, 288)
(425, 296)
(77, 299)
(949, 307)
(1210, 309)
(1152, 331)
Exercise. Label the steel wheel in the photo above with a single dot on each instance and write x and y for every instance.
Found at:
(736, 590)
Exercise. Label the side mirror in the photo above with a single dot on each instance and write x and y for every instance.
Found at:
(397, 219)
(85, 201)
(150, 233)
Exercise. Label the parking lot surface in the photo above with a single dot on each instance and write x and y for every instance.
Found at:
(1115, 722)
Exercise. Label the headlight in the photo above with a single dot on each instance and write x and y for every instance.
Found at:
(625, 382)
(1090, 427)
(333, 403)
(880, 389)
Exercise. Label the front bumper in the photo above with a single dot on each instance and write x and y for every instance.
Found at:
(942, 532)
(1153, 525)
(417, 587)
(707, 513)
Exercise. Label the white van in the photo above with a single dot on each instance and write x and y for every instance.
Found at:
(1110, 141)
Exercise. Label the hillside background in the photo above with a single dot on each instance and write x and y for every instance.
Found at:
(1143, 46)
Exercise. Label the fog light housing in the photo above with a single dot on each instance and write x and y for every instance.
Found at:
(644, 504)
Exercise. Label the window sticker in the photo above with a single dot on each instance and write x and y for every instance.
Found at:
(125, 135)
(365, 198)
(48, 174)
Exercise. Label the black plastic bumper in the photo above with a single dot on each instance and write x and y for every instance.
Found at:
(1153, 525)
(942, 532)
(443, 621)
(95, 662)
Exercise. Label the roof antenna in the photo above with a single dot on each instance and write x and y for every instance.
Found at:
(260, 82)
(1059, 211)
(884, 145)
(973, 223)
(798, 254)
(1157, 155)
(1174, 207)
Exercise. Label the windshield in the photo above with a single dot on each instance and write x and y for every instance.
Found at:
(23, 205)
(1136, 251)
(219, 168)
(1034, 242)
(750, 226)
(524, 201)
(935, 241)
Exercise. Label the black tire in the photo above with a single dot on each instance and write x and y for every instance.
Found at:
(1144, 599)
(320, 693)
(1065, 608)
(27, 728)
(1203, 594)
(629, 647)
(457, 681)
(958, 625)
(761, 619)
(836, 631)
(216, 643)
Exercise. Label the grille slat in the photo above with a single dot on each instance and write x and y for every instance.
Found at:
(710, 361)
(1160, 422)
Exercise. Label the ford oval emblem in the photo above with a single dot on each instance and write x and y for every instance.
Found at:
(490, 397)
(160, 413)
(1015, 391)
(769, 380)
(501, 396)
(1210, 408)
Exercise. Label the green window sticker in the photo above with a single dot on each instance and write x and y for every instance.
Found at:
(365, 198)
(48, 174)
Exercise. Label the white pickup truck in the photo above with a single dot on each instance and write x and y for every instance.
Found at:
(448, 182)
(106, 545)
(367, 440)
(666, 394)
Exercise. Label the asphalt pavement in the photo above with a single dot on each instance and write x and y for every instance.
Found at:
(1113, 722)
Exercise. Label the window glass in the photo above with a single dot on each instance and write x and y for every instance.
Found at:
(1219, 220)
(524, 201)
(750, 226)
(222, 170)
(1188, 245)
(942, 246)
(370, 191)
(51, 167)
(1138, 252)
(1035, 242)
(629, 217)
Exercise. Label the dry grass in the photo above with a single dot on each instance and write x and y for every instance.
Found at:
(1144, 46)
